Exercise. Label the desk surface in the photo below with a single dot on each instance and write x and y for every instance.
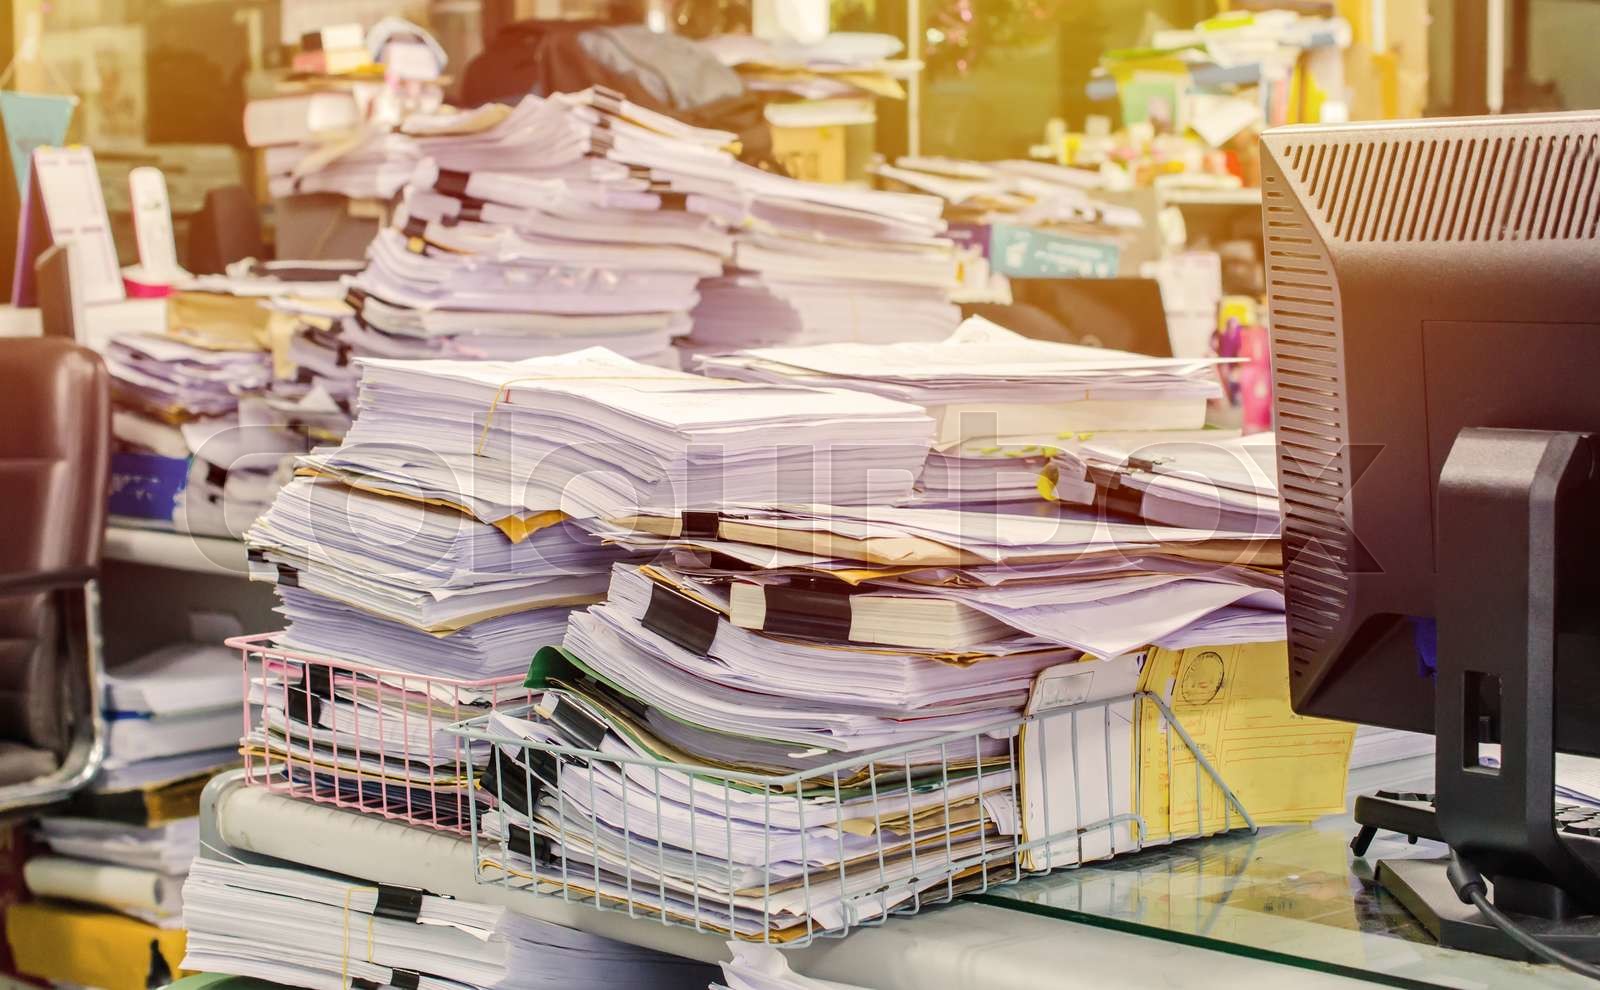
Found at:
(1290, 895)
(1232, 913)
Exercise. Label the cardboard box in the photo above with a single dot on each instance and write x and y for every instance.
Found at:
(814, 154)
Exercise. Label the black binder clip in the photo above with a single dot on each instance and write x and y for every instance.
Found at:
(452, 182)
(577, 724)
(404, 979)
(680, 619)
(398, 903)
(700, 525)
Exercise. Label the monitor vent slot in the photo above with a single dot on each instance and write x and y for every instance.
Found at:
(1488, 188)
(1307, 357)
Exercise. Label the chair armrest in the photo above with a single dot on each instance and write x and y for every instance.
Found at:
(28, 582)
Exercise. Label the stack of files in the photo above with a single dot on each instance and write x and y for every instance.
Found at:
(1001, 402)
(813, 266)
(931, 576)
(826, 844)
(415, 587)
(168, 380)
(178, 701)
(1193, 482)
(125, 843)
(190, 406)
(668, 641)
(135, 870)
(334, 118)
(305, 928)
(1015, 192)
(496, 265)
(738, 860)
(843, 64)
(809, 261)
(537, 137)
(371, 740)
(597, 436)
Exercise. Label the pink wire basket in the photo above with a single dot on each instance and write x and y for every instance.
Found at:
(361, 736)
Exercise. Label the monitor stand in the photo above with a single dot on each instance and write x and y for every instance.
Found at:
(1516, 519)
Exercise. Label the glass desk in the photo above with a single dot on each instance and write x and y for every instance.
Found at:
(1289, 894)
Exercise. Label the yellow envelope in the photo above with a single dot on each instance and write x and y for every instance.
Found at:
(1234, 702)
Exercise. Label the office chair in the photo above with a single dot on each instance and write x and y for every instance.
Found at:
(55, 453)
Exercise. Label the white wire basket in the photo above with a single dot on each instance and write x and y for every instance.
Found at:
(785, 858)
(362, 736)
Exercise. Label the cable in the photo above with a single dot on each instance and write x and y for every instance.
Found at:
(1471, 888)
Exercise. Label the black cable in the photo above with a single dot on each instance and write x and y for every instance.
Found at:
(1471, 888)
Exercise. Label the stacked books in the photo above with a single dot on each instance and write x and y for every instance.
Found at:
(125, 844)
(1003, 405)
(311, 929)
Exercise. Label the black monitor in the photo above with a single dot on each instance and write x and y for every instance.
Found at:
(1434, 295)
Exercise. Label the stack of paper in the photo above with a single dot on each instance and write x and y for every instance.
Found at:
(1195, 481)
(171, 381)
(137, 870)
(839, 65)
(415, 587)
(817, 263)
(1002, 403)
(1019, 192)
(199, 407)
(594, 435)
(826, 845)
(927, 578)
(174, 718)
(303, 928)
(425, 604)
(180, 700)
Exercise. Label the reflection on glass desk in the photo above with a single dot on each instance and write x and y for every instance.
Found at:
(1290, 894)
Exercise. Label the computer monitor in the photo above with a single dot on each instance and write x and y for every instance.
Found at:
(1434, 295)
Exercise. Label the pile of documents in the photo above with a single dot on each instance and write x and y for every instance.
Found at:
(178, 707)
(310, 929)
(425, 616)
(1019, 192)
(203, 424)
(417, 587)
(817, 263)
(798, 643)
(1002, 404)
(596, 436)
(329, 127)
(840, 65)
(173, 719)
(525, 232)
(1192, 481)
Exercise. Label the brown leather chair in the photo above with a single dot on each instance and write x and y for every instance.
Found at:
(55, 455)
